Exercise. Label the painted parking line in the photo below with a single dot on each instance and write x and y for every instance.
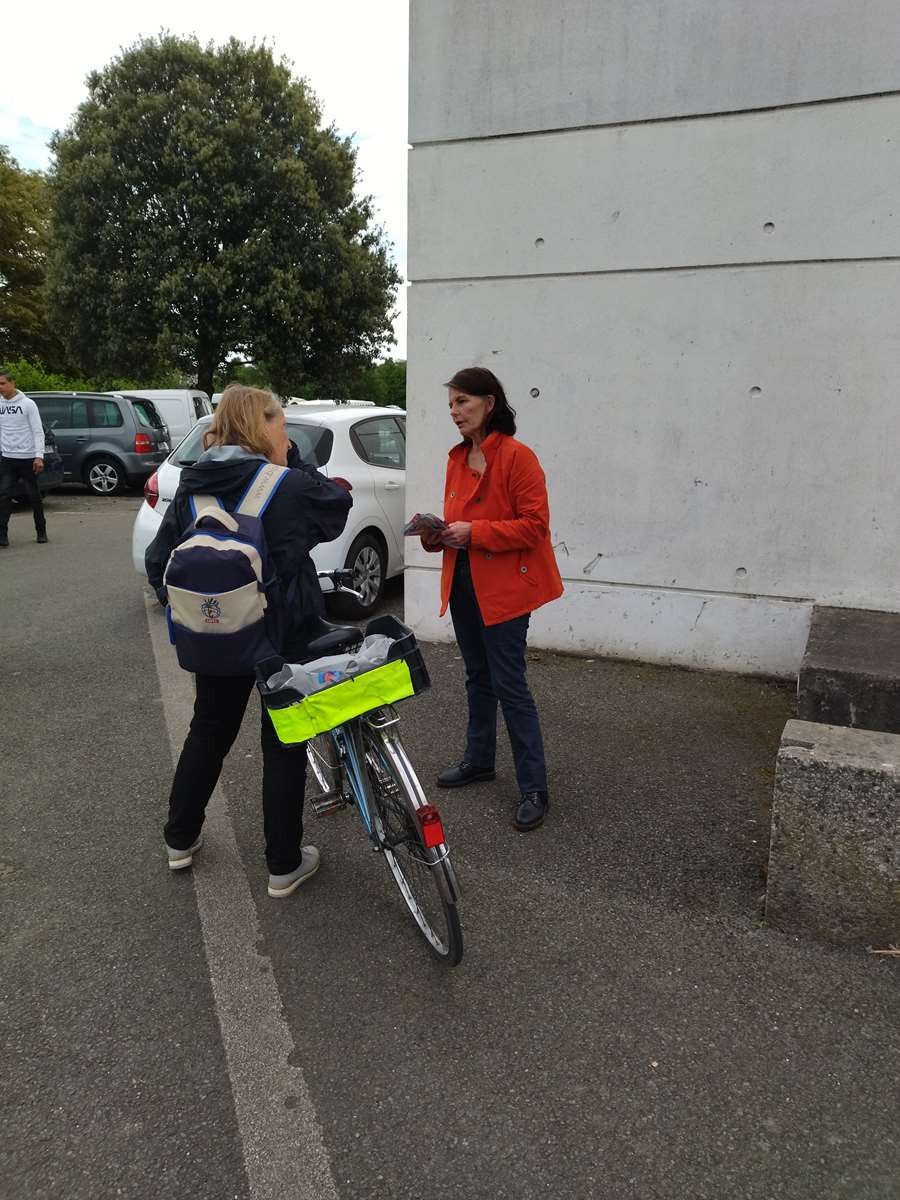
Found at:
(282, 1143)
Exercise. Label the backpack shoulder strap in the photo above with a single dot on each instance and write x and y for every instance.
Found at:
(199, 502)
(262, 487)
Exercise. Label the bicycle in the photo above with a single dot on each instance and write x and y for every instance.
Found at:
(361, 762)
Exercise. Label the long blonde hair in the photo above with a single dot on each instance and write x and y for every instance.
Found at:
(242, 419)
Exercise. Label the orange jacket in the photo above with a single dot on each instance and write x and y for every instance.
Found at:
(513, 566)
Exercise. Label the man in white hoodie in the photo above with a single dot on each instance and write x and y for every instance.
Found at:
(21, 454)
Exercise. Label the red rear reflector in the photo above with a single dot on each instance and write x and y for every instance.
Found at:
(151, 490)
(341, 482)
(432, 828)
(143, 443)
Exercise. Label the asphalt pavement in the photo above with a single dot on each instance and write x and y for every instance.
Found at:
(622, 1024)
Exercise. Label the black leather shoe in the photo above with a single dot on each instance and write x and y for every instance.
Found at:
(533, 807)
(4, 540)
(463, 774)
(42, 538)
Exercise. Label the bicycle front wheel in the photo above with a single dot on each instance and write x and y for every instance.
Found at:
(424, 876)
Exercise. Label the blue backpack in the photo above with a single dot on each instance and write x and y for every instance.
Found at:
(227, 608)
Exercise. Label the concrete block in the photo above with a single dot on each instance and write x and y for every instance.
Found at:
(510, 66)
(834, 858)
(749, 635)
(668, 194)
(850, 674)
(716, 431)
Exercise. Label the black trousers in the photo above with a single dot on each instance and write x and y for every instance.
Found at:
(218, 712)
(494, 656)
(11, 471)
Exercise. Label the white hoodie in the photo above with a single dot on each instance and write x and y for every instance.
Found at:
(21, 431)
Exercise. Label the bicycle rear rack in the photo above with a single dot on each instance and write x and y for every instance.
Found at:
(382, 718)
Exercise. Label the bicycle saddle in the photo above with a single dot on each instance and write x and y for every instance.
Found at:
(324, 638)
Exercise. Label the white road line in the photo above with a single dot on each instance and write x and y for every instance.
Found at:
(283, 1147)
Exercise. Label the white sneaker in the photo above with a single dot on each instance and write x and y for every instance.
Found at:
(179, 859)
(283, 885)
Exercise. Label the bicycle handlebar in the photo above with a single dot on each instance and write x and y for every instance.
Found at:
(340, 580)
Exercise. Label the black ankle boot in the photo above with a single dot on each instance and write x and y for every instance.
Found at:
(532, 809)
(464, 773)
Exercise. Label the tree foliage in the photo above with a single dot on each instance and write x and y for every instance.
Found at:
(34, 376)
(24, 220)
(385, 383)
(202, 211)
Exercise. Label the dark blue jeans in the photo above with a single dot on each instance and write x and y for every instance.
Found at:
(494, 656)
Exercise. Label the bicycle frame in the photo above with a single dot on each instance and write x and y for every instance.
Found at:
(352, 772)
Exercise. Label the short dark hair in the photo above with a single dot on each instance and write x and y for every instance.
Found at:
(479, 381)
(7, 375)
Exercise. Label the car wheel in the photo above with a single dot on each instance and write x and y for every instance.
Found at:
(367, 559)
(105, 477)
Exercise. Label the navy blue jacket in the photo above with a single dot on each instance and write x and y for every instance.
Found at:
(307, 509)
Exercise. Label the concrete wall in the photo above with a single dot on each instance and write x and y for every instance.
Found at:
(696, 317)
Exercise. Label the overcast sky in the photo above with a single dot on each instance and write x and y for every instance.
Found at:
(352, 52)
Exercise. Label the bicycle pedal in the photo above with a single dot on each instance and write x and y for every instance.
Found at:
(328, 804)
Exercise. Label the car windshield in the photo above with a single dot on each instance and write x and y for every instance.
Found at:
(147, 414)
(314, 443)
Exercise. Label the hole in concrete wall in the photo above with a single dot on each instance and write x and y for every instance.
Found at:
(756, 391)
(769, 227)
(741, 572)
(534, 393)
(539, 242)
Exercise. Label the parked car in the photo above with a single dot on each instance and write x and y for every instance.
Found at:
(180, 408)
(52, 474)
(107, 442)
(367, 448)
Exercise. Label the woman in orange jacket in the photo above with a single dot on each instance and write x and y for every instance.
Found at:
(498, 568)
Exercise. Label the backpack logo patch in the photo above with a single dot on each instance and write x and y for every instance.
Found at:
(211, 610)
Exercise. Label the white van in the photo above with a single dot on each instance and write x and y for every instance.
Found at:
(180, 408)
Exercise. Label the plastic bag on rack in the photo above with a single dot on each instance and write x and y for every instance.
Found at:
(307, 678)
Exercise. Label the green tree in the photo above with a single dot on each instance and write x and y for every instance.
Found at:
(24, 220)
(237, 371)
(385, 383)
(201, 211)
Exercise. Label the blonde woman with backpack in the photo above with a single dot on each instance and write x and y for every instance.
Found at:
(301, 507)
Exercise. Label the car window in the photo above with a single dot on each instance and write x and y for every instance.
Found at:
(380, 442)
(147, 414)
(63, 412)
(56, 412)
(190, 448)
(314, 442)
(106, 414)
(199, 409)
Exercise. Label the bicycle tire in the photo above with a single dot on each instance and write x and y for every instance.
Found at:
(414, 867)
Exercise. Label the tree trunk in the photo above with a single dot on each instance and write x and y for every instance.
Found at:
(207, 361)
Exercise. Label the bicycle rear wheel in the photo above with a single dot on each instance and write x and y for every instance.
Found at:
(424, 876)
